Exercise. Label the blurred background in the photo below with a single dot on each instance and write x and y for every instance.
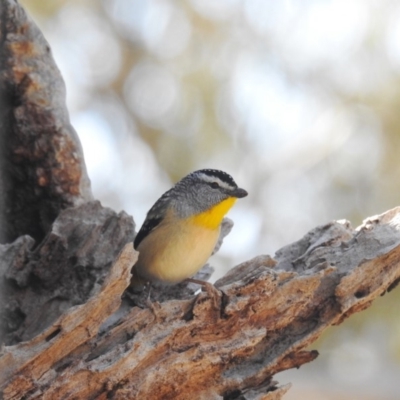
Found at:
(298, 100)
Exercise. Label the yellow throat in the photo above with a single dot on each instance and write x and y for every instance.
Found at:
(212, 218)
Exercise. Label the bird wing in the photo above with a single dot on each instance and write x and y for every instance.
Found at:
(154, 217)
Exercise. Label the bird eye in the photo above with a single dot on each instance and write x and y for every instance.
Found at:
(214, 185)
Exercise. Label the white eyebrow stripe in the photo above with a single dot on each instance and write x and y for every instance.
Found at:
(208, 178)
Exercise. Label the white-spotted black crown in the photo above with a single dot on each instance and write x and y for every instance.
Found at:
(216, 173)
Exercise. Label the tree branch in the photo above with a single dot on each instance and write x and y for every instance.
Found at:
(41, 162)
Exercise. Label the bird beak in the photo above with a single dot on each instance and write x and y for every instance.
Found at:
(239, 193)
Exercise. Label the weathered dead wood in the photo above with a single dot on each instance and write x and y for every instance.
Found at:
(269, 311)
(61, 286)
(31, 361)
(41, 162)
(64, 270)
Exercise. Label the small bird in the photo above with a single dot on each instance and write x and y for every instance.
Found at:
(182, 228)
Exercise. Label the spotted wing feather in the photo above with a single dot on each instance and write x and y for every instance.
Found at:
(153, 218)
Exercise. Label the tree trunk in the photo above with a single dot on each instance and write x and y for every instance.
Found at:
(69, 328)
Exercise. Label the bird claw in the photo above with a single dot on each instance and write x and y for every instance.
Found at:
(210, 289)
(154, 308)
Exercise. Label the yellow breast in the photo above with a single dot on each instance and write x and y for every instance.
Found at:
(175, 252)
(212, 218)
(178, 248)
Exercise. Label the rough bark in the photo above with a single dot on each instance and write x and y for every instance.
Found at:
(41, 162)
(69, 328)
(212, 346)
